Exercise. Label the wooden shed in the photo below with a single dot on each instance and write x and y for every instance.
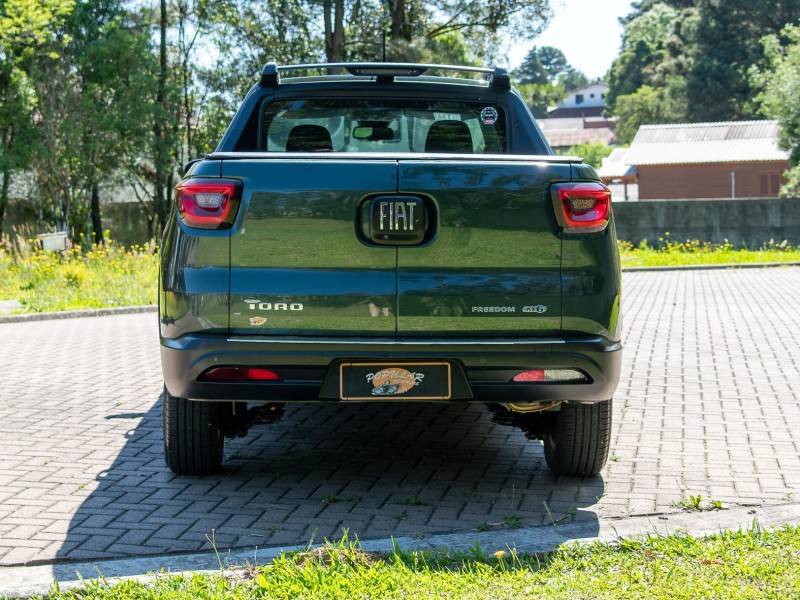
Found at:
(708, 160)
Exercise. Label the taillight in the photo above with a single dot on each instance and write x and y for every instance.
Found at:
(208, 203)
(239, 374)
(582, 207)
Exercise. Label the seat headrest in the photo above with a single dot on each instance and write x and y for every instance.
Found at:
(309, 138)
(449, 136)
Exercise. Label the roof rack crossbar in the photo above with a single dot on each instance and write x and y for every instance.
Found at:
(384, 72)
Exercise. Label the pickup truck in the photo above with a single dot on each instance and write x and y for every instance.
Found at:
(373, 232)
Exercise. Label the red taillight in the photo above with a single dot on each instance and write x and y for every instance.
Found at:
(582, 207)
(528, 376)
(240, 374)
(208, 203)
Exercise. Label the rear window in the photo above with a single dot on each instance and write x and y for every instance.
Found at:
(383, 125)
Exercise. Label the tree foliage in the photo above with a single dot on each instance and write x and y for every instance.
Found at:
(547, 64)
(544, 77)
(592, 153)
(117, 95)
(643, 52)
(689, 60)
(779, 81)
(28, 32)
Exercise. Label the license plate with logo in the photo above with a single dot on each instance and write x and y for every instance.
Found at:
(395, 381)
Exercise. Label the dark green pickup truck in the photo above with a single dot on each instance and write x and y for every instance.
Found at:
(385, 235)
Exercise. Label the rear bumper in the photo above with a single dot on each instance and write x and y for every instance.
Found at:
(306, 364)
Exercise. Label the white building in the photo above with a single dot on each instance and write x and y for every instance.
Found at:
(586, 101)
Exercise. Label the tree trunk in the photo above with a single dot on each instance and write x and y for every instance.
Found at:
(399, 24)
(4, 196)
(186, 80)
(97, 222)
(333, 12)
(159, 129)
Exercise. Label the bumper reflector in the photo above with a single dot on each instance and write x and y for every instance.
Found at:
(239, 374)
(550, 375)
(528, 376)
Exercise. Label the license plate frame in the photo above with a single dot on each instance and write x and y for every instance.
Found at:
(353, 379)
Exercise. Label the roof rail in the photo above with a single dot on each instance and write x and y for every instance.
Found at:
(384, 72)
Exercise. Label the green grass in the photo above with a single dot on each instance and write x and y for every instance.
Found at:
(697, 504)
(669, 253)
(751, 564)
(105, 276)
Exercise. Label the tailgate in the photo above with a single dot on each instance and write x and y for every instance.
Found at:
(494, 266)
(297, 267)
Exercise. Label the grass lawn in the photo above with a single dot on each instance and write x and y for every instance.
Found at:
(673, 254)
(751, 564)
(106, 276)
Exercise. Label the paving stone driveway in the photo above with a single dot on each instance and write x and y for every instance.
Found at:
(708, 405)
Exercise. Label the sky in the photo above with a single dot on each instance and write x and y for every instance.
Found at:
(586, 31)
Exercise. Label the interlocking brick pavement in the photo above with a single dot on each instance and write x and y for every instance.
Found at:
(708, 404)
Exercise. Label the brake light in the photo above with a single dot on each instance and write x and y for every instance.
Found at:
(582, 207)
(208, 203)
(529, 376)
(240, 374)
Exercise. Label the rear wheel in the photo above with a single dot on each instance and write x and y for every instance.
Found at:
(577, 440)
(193, 439)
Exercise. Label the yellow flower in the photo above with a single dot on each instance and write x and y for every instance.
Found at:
(500, 554)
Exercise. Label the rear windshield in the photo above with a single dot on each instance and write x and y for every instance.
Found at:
(383, 125)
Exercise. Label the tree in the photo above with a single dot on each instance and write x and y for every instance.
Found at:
(98, 93)
(89, 109)
(532, 70)
(592, 153)
(646, 105)
(701, 49)
(27, 29)
(644, 50)
(779, 81)
(547, 64)
(728, 44)
(17, 137)
(544, 77)
(541, 96)
(524, 19)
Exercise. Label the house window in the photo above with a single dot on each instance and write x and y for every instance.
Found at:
(578, 98)
(770, 184)
(775, 184)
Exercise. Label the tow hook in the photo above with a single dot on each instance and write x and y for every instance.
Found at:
(238, 421)
(267, 413)
(534, 421)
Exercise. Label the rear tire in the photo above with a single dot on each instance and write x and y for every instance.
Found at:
(193, 439)
(577, 441)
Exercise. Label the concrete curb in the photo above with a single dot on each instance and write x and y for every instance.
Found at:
(712, 267)
(26, 581)
(77, 314)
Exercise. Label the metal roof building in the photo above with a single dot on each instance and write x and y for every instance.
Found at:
(692, 143)
(738, 159)
(563, 133)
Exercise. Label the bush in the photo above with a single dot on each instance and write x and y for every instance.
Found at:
(669, 252)
(104, 276)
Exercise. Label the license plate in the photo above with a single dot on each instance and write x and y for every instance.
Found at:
(395, 381)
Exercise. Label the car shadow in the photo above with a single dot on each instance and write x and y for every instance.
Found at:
(372, 470)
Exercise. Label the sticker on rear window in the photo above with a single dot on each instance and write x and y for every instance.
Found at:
(441, 116)
(489, 115)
